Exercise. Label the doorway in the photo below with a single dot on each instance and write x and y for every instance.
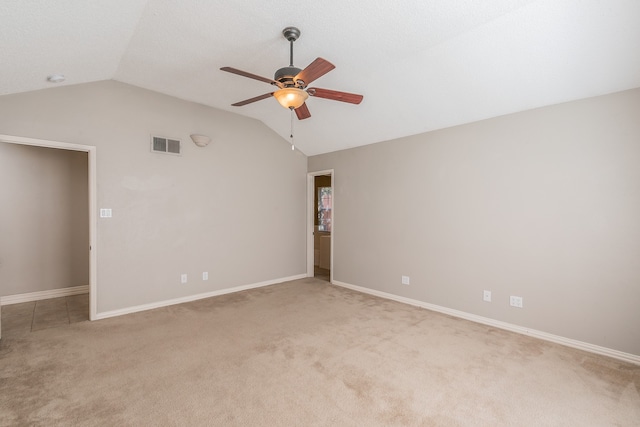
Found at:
(320, 225)
(91, 186)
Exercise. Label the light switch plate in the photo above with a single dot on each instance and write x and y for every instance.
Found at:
(515, 301)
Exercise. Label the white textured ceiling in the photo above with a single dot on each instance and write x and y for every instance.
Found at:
(421, 65)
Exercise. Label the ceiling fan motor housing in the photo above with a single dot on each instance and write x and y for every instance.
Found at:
(286, 76)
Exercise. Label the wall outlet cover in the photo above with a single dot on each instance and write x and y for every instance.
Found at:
(515, 301)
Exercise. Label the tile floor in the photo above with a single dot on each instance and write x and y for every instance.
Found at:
(321, 273)
(44, 314)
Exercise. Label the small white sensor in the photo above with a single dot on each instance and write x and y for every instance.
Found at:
(56, 78)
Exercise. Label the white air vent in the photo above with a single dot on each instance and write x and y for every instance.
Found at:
(160, 144)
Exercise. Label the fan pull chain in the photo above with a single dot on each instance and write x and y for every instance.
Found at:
(293, 147)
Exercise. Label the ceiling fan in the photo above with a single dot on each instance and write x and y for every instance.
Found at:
(292, 82)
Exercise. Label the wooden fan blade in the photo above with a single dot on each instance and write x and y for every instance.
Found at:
(250, 100)
(317, 68)
(245, 74)
(351, 98)
(303, 112)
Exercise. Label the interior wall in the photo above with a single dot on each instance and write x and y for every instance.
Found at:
(44, 219)
(542, 204)
(175, 215)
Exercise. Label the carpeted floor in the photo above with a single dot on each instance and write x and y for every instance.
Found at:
(305, 353)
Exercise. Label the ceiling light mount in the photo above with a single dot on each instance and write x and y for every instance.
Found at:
(291, 33)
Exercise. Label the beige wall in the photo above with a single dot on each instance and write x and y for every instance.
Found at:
(175, 214)
(543, 204)
(44, 219)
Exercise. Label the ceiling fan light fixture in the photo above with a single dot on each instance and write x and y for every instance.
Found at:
(292, 82)
(291, 97)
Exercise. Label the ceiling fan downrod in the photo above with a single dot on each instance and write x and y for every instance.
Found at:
(291, 54)
(291, 34)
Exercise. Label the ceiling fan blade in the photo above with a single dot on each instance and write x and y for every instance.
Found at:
(335, 95)
(316, 69)
(245, 74)
(250, 100)
(303, 112)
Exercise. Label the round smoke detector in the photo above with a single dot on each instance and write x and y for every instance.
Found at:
(56, 78)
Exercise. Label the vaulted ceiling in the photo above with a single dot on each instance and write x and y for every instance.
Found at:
(420, 64)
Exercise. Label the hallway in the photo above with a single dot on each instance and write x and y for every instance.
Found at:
(18, 319)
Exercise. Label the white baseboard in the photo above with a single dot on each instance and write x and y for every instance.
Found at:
(37, 296)
(159, 304)
(604, 351)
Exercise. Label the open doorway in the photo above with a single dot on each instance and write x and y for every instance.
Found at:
(320, 225)
(47, 230)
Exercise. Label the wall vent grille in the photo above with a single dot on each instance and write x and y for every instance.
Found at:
(163, 145)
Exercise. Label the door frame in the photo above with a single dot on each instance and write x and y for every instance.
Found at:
(91, 160)
(311, 220)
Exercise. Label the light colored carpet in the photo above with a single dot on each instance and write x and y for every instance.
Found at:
(305, 353)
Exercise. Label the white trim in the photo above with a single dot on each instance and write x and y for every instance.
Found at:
(40, 295)
(93, 241)
(44, 143)
(604, 351)
(93, 192)
(310, 219)
(190, 298)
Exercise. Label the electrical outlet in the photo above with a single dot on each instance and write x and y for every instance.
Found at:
(405, 280)
(183, 278)
(205, 275)
(515, 301)
(486, 296)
